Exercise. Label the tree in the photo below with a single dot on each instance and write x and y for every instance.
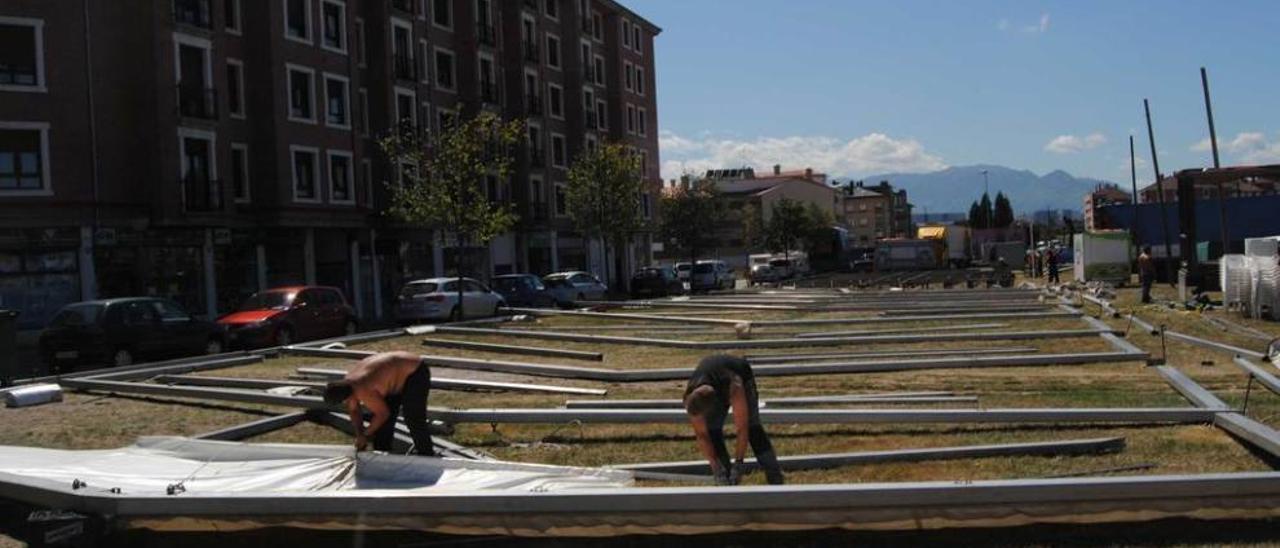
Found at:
(754, 235)
(444, 180)
(603, 195)
(690, 217)
(819, 227)
(788, 224)
(1002, 216)
(975, 216)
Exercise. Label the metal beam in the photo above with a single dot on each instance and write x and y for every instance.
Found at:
(441, 383)
(1267, 379)
(835, 416)
(822, 356)
(1214, 345)
(963, 327)
(255, 428)
(401, 441)
(144, 370)
(781, 402)
(1250, 431)
(513, 349)
(833, 460)
(915, 318)
(1195, 393)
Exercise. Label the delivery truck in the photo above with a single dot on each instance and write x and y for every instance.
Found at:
(954, 240)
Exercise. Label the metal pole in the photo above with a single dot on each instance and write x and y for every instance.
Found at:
(1133, 179)
(1164, 213)
(1213, 142)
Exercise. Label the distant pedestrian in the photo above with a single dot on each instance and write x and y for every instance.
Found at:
(1051, 256)
(721, 383)
(1146, 272)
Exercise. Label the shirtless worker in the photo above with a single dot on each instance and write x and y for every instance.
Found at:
(718, 384)
(385, 383)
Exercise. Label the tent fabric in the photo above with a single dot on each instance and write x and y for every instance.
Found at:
(155, 465)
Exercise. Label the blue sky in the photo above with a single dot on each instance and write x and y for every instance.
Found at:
(855, 88)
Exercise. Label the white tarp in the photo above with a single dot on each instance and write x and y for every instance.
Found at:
(153, 464)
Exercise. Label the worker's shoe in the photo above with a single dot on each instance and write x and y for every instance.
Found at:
(772, 471)
(722, 477)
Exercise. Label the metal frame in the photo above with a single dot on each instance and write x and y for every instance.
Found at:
(841, 355)
(255, 428)
(512, 349)
(472, 386)
(778, 402)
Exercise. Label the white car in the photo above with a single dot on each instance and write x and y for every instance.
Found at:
(682, 271)
(711, 274)
(437, 299)
(573, 286)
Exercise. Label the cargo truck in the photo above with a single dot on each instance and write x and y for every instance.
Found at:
(954, 240)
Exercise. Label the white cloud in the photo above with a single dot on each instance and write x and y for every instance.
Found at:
(1071, 144)
(868, 154)
(1039, 26)
(1250, 147)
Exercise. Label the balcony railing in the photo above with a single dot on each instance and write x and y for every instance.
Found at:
(197, 101)
(533, 105)
(488, 91)
(404, 67)
(192, 12)
(531, 53)
(486, 35)
(201, 194)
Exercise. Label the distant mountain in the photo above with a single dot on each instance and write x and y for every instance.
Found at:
(953, 189)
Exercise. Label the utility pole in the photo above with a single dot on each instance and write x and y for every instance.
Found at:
(1213, 142)
(1164, 213)
(1133, 179)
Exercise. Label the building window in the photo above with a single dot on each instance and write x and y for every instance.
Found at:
(424, 62)
(551, 8)
(240, 172)
(366, 176)
(631, 119)
(364, 112)
(602, 115)
(597, 26)
(636, 44)
(405, 111)
(644, 163)
(555, 101)
(590, 142)
(21, 54)
(558, 154)
(297, 20)
(562, 208)
(24, 158)
(302, 95)
(361, 57)
(445, 76)
(646, 208)
(192, 12)
(442, 14)
(341, 189)
(488, 86)
(553, 51)
(626, 33)
(337, 101)
(641, 114)
(333, 17)
(445, 118)
(231, 16)
(598, 70)
(639, 81)
(305, 168)
(235, 88)
(629, 76)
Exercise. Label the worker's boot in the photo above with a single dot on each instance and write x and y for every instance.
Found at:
(772, 471)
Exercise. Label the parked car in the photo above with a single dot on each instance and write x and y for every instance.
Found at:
(573, 286)
(763, 273)
(864, 263)
(782, 268)
(682, 271)
(524, 290)
(437, 299)
(656, 281)
(711, 274)
(124, 331)
(287, 315)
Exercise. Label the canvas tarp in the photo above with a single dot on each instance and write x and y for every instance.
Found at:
(154, 464)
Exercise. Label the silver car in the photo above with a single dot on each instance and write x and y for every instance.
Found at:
(437, 299)
(573, 286)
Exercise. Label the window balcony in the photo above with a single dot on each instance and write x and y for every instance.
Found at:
(197, 101)
(404, 67)
(193, 13)
(485, 35)
(201, 194)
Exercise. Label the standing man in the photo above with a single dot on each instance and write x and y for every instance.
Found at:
(1146, 272)
(719, 383)
(1051, 257)
(384, 383)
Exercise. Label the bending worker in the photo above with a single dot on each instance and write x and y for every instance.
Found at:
(386, 383)
(721, 382)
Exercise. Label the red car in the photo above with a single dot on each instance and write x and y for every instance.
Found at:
(286, 315)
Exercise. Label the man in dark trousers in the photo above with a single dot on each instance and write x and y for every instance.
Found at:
(719, 383)
(1146, 272)
(385, 383)
(1051, 257)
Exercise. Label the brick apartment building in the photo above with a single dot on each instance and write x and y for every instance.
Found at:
(204, 149)
(1101, 196)
(874, 212)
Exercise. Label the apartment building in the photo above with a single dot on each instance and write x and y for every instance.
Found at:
(875, 212)
(1102, 195)
(204, 149)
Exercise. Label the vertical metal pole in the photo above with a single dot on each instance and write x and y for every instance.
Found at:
(1213, 142)
(1133, 179)
(1164, 213)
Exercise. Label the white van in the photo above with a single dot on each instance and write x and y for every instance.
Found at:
(711, 274)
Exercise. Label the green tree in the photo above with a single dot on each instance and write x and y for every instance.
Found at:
(444, 180)
(787, 226)
(986, 211)
(819, 227)
(603, 196)
(1002, 217)
(690, 217)
(754, 235)
(975, 216)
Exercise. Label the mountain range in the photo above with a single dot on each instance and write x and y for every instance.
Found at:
(955, 188)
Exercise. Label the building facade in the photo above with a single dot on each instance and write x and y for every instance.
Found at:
(1102, 195)
(205, 149)
(874, 212)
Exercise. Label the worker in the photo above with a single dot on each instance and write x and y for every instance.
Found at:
(386, 384)
(1051, 257)
(719, 383)
(1146, 272)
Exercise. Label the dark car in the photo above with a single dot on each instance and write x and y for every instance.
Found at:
(656, 281)
(285, 315)
(125, 331)
(524, 290)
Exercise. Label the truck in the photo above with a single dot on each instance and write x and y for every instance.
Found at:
(954, 240)
(909, 254)
(1105, 255)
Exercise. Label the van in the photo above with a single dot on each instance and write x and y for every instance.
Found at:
(711, 274)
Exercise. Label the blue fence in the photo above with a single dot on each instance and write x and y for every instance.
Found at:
(1250, 217)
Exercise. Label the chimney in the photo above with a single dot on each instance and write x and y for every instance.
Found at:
(808, 173)
(777, 169)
